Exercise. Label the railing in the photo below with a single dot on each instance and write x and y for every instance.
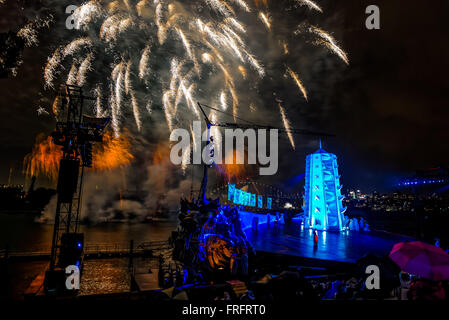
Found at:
(31, 253)
(106, 248)
(153, 245)
(99, 249)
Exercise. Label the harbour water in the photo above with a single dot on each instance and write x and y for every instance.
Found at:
(22, 233)
(110, 275)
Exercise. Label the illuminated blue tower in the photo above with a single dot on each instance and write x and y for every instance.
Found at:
(323, 207)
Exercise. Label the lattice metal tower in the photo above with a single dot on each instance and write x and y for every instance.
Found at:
(75, 135)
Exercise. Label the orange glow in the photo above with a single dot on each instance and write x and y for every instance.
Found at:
(232, 170)
(44, 159)
(55, 106)
(110, 154)
(161, 154)
(258, 2)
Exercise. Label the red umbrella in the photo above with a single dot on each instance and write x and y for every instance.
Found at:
(422, 259)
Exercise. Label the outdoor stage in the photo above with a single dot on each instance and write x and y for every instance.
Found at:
(347, 246)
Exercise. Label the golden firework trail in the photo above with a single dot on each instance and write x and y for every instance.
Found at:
(252, 107)
(223, 101)
(29, 34)
(71, 78)
(98, 107)
(185, 159)
(206, 58)
(51, 68)
(76, 45)
(285, 47)
(84, 68)
(265, 19)
(327, 40)
(312, 5)
(143, 64)
(298, 82)
(55, 106)
(242, 71)
(287, 126)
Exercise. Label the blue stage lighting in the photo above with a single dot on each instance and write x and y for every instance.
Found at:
(323, 207)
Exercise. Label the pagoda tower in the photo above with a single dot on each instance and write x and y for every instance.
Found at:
(323, 206)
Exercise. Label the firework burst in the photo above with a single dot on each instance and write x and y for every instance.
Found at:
(45, 156)
(143, 56)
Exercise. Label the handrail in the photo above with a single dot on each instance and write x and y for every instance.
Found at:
(98, 248)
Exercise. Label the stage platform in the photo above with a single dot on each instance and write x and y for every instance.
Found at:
(347, 246)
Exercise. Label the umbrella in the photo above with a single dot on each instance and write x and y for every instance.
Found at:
(422, 259)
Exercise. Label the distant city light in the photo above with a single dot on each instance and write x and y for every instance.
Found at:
(419, 182)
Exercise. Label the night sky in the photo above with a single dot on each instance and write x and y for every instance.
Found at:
(388, 108)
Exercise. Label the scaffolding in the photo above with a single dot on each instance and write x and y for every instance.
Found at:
(75, 135)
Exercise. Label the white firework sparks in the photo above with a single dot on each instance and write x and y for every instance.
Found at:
(265, 19)
(76, 45)
(329, 42)
(143, 65)
(167, 96)
(312, 5)
(110, 27)
(185, 159)
(51, 68)
(298, 82)
(167, 54)
(223, 101)
(87, 13)
(287, 126)
(149, 106)
(29, 34)
(84, 68)
(71, 78)
(98, 107)
(206, 58)
(220, 7)
(136, 111)
(41, 111)
(235, 24)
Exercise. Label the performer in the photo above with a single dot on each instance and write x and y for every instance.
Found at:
(315, 237)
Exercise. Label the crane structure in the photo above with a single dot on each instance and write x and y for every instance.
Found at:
(247, 125)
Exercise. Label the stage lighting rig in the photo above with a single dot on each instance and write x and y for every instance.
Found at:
(76, 136)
